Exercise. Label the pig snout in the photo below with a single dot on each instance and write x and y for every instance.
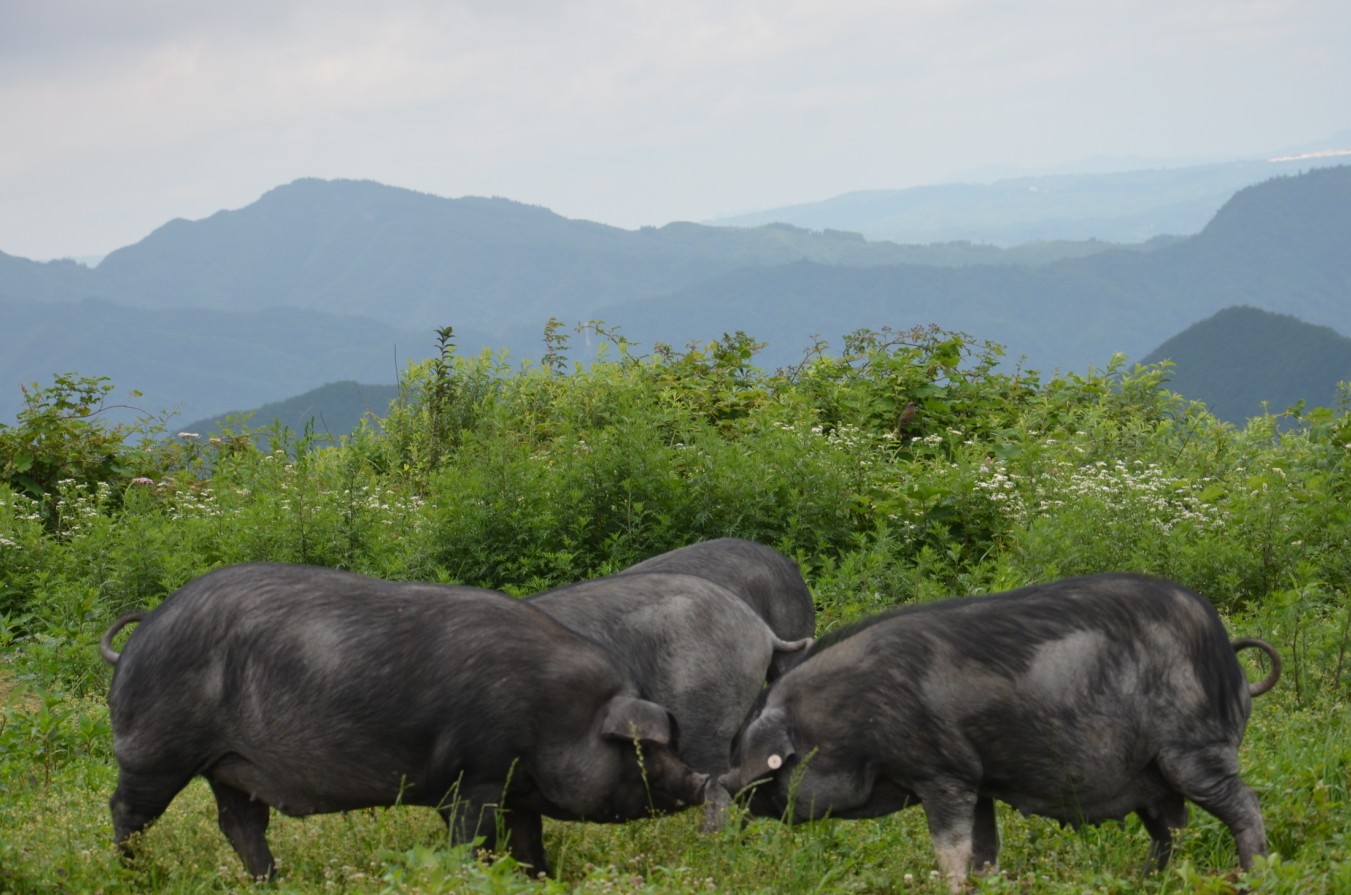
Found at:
(692, 788)
(676, 785)
(699, 782)
(680, 787)
(737, 779)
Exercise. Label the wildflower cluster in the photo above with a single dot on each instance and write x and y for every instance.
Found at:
(1133, 492)
(78, 503)
(17, 511)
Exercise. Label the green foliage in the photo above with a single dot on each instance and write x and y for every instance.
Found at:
(58, 440)
(909, 469)
(48, 730)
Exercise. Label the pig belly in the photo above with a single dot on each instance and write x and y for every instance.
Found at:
(1085, 801)
(292, 792)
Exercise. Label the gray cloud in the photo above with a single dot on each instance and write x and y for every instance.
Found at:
(122, 116)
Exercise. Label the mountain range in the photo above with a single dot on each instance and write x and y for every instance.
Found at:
(1127, 206)
(321, 281)
(1280, 246)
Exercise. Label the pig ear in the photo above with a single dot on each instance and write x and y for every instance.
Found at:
(627, 718)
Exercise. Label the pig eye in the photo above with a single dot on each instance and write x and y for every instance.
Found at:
(775, 762)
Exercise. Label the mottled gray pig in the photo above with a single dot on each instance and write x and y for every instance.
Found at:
(769, 582)
(311, 690)
(1083, 700)
(689, 644)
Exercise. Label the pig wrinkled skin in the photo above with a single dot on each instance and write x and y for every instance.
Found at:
(311, 690)
(769, 582)
(690, 645)
(1082, 700)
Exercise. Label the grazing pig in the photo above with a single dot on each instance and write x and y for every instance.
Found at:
(690, 645)
(768, 581)
(311, 691)
(1082, 700)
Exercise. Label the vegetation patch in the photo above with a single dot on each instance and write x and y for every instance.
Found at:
(908, 467)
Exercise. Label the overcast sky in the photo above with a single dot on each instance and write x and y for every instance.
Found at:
(116, 117)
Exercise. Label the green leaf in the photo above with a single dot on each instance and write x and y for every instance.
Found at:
(1212, 493)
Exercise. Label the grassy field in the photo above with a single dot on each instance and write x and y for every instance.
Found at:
(909, 470)
(55, 833)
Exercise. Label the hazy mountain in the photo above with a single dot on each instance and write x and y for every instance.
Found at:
(494, 269)
(1280, 245)
(325, 281)
(196, 361)
(359, 247)
(334, 410)
(49, 281)
(1118, 206)
(1243, 356)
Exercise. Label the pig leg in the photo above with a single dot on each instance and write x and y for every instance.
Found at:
(467, 818)
(716, 800)
(710, 755)
(951, 812)
(243, 819)
(1236, 805)
(525, 839)
(138, 800)
(1160, 819)
(1209, 777)
(524, 830)
(985, 837)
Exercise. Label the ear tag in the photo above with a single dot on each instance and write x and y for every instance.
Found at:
(775, 762)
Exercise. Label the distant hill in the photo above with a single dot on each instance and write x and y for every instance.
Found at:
(322, 281)
(196, 361)
(334, 409)
(1120, 207)
(1280, 246)
(48, 281)
(358, 247)
(1242, 357)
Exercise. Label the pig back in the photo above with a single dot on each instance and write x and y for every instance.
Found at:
(1069, 640)
(769, 582)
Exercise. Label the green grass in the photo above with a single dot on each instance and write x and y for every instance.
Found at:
(523, 480)
(55, 835)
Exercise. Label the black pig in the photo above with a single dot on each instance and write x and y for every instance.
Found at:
(312, 690)
(689, 644)
(769, 582)
(1082, 700)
